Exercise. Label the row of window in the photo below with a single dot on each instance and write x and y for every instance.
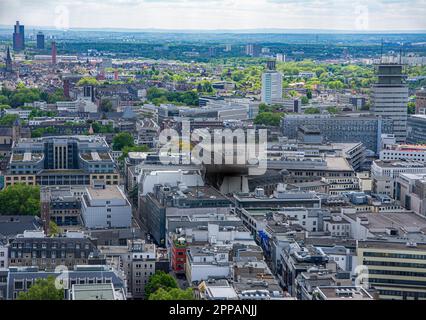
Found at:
(395, 264)
(54, 245)
(395, 255)
(398, 273)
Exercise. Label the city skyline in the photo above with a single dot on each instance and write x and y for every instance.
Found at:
(360, 16)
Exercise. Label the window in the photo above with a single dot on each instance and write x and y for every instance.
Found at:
(19, 285)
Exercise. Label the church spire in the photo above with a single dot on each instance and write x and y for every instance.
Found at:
(8, 61)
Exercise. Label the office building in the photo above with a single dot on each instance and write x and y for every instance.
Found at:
(272, 90)
(390, 98)
(384, 173)
(67, 160)
(365, 129)
(18, 37)
(280, 57)
(253, 50)
(416, 129)
(395, 269)
(404, 152)
(410, 191)
(40, 40)
(280, 198)
(105, 207)
(166, 201)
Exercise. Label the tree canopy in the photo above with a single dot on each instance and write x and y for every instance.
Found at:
(106, 105)
(43, 289)
(312, 110)
(121, 140)
(88, 81)
(269, 118)
(20, 199)
(160, 280)
(172, 294)
(8, 119)
(158, 96)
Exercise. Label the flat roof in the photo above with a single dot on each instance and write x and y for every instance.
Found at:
(390, 245)
(103, 291)
(338, 163)
(345, 293)
(403, 221)
(110, 192)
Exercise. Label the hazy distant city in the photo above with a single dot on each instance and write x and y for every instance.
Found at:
(213, 150)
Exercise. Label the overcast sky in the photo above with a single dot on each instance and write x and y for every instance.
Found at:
(218, 14)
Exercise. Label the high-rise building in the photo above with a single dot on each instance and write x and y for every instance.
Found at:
(54, 52)
(8, 61)
(280, 57)
(390, 97)
(272, 90)
(271, 65)
(253, 50)
(19, 37)
(40, 40)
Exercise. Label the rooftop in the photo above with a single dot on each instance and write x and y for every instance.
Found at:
(404, 223)
(103, 291)
(391, 245)
(399, 164)
(344, 293)
(110, 192)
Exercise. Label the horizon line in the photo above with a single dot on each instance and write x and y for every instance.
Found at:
(227, 30)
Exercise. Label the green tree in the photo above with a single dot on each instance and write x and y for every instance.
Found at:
(99, 128)
(20, 199)
(57, 95)
(172, 294)
(88, 81)
(158, 280)
(4, 99)
(121, 140)
(43, 289)
(312, 110)
(411, 108)
(8, 119)
(305, 100)
(332, 110)
(269, 118)
(106, 105)
(127, 149)
(53, 228)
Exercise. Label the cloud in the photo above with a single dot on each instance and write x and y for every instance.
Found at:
(222, 14)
